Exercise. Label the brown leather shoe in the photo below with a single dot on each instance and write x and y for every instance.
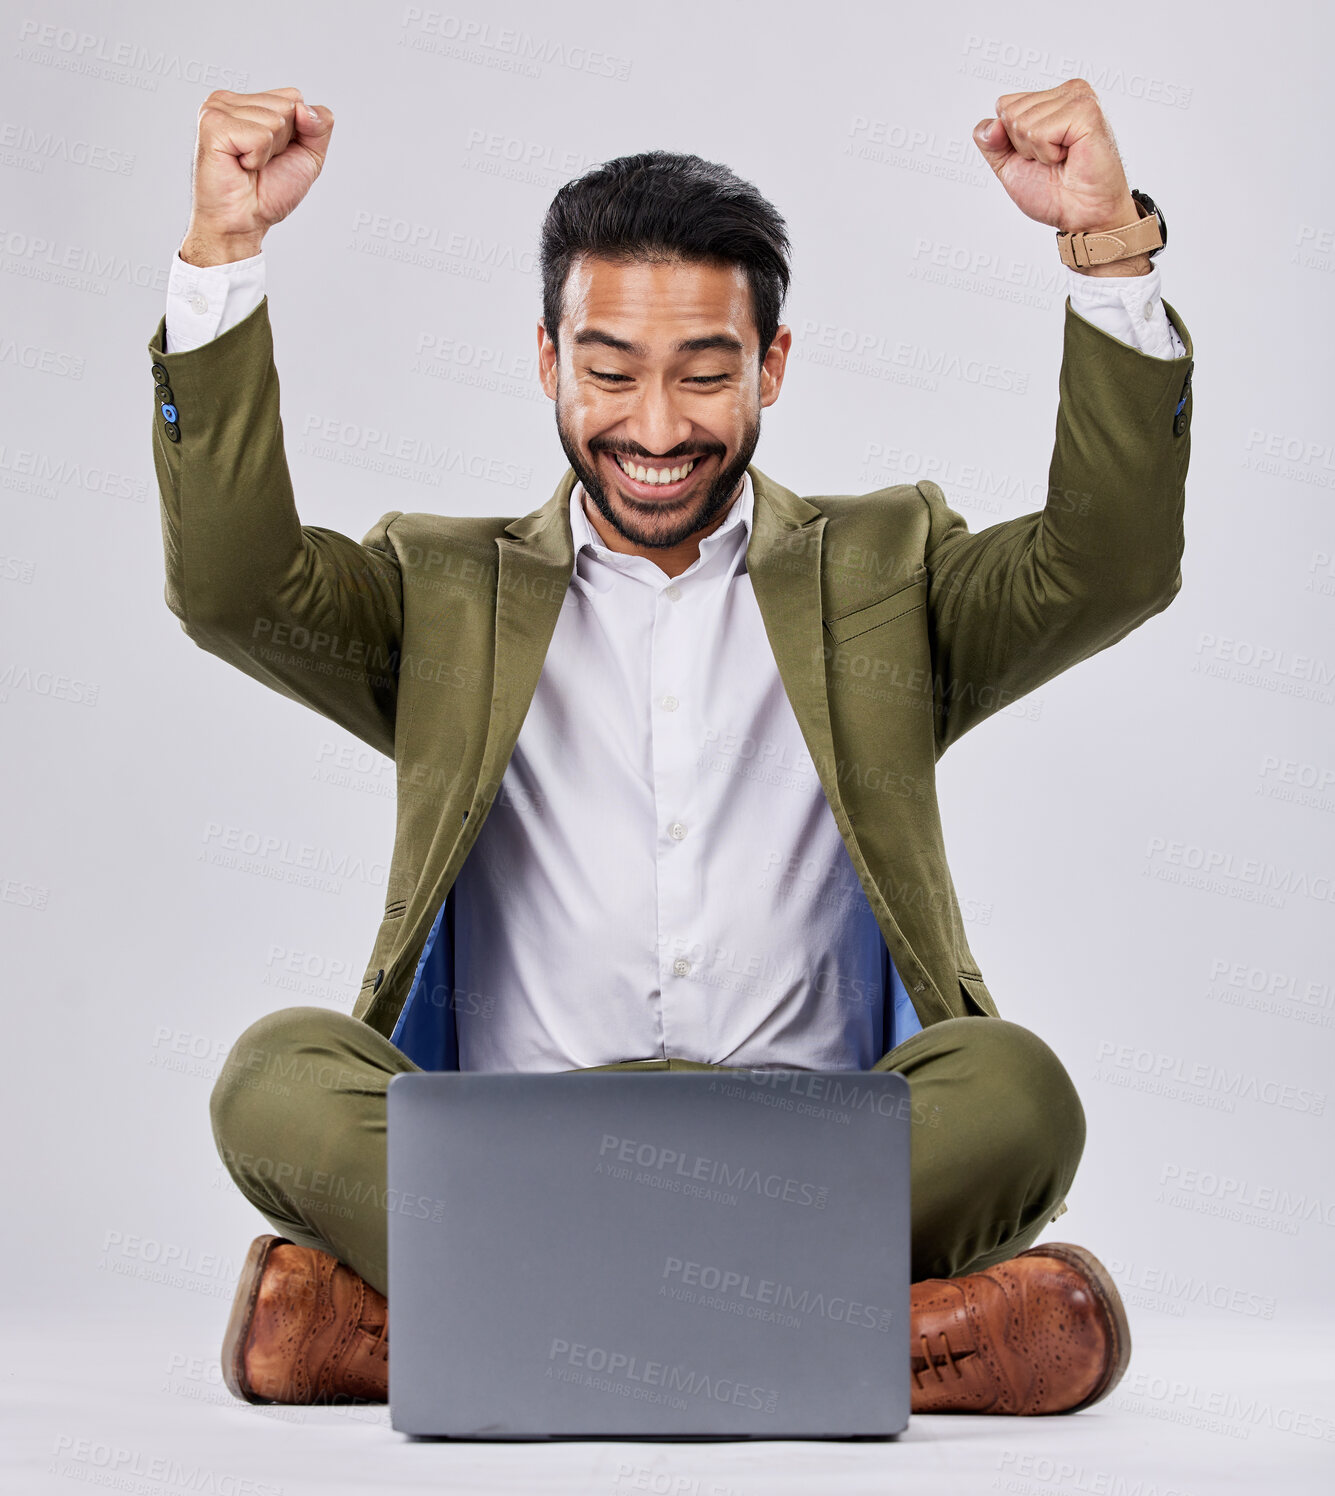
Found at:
(305, 1328)
(1044, 1332)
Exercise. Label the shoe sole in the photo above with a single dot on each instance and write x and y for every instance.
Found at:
(243, 1311)
(1105, 1291)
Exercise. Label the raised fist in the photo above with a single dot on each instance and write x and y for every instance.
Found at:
(1054, 153)
(256, 156)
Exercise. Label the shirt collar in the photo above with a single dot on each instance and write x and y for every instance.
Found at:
(736, 525)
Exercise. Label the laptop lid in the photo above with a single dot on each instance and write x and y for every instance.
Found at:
(652, 1254)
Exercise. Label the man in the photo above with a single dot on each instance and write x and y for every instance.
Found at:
(665, 747)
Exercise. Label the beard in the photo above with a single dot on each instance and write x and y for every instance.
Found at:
(660, 526)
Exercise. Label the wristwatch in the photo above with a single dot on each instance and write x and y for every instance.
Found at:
(1147, 236)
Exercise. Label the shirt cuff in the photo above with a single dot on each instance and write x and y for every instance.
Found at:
(1128, 308)
(203, 301)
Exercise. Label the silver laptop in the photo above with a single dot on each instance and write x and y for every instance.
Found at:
(658, 1254)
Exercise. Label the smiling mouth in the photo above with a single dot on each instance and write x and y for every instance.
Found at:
(658, 479)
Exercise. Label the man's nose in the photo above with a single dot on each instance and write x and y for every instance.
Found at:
(657, 423)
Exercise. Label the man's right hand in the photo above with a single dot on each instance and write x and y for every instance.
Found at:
(256, 156)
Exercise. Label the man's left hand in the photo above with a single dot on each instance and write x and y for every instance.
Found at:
(1054, 153)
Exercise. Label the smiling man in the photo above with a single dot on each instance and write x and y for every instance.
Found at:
(666, 745)
(659, 417)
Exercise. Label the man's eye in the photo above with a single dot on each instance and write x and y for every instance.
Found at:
(706, 379)
(611, 378)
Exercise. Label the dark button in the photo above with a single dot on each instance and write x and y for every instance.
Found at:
(379, 977)
(169, 412)
(1180, 423)
(165, 393)
(160, 373)
(173, 432)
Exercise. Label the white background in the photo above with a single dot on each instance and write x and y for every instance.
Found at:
(1075, 820)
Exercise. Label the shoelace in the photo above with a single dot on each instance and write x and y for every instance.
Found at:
(381, 1346)
(931, 1360)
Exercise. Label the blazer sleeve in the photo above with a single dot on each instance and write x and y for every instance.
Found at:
(1017, 603)
(310, 613)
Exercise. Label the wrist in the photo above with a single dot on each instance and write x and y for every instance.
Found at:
(1128, 226)
(1136, 265)
(1125, 213)
(202, 248)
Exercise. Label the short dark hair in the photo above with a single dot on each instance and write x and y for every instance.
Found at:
(662, 206)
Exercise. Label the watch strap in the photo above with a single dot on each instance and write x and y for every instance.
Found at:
(1081, 250)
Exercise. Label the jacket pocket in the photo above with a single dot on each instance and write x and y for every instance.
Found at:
(885, 609)
(976, 996)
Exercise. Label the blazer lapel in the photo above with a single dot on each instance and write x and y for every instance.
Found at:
(783, 560)
(535, 561)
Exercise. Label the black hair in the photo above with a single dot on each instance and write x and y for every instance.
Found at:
(662, 206)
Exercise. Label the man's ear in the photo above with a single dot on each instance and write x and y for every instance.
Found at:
(774, 364)
(547, 361)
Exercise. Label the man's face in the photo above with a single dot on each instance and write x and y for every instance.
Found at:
(659, 385)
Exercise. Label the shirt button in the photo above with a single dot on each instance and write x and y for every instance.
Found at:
(681, 967)
(672, 593)
(1149, 309)
(199, 304)
(677, 830)
(670, 703)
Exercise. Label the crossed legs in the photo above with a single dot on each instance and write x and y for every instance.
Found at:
(298, 1115)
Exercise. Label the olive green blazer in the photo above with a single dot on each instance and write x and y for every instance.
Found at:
(895, 630)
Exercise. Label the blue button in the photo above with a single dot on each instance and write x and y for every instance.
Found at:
(168, 412)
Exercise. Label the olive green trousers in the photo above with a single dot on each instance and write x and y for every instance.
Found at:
(997, 1130)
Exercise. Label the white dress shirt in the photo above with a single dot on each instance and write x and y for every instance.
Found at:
(660, 874)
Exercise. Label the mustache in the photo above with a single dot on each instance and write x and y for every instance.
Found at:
(681, 450)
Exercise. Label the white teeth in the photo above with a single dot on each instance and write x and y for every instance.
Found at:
(654, 475)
